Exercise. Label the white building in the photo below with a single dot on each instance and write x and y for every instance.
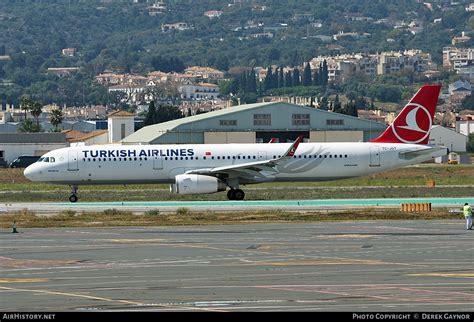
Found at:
(13, 145)
(449, 138)
(465, 126)
(199, 91)
(120, 125)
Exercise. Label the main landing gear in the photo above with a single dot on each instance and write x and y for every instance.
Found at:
(235, 194)
(73, 196)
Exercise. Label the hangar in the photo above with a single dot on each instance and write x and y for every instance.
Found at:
(13, 145)
(257, 123)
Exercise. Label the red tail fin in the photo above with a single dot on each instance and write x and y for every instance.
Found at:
(413, 124)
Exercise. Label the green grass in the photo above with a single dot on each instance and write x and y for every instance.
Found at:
(113, 217)
(405, 182)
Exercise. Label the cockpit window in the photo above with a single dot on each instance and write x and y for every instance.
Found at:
(40, 160)
(46, 159)
(51, 159)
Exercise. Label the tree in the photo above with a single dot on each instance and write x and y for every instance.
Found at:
(36, 110)
(25, 104)
(27, 126)
(307, 80)
(324, 73)
(251, 82)
(56, 118)
(267, 82)
(281, 78)
(165, 113)
(470, 143)
(350, 109)
(296, 77)
(468, 102)
(150, 115)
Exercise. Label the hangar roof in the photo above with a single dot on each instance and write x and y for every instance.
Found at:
(203, 122)
(32, 138)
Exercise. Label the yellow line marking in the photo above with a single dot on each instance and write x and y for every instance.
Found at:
(351, 236)
(442, 275)
(321, 262)
(132, 241)
(90, 297)
(23, 280)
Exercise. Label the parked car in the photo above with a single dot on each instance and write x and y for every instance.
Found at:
(23, 161)
(3, 163)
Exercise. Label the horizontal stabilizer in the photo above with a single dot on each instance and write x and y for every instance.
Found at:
(435, 151)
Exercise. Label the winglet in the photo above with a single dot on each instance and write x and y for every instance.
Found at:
(291, 151)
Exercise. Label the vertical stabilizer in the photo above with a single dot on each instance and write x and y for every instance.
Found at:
(413, 124)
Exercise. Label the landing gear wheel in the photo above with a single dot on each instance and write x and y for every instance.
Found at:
(73, 197)
(239, 194)
(231, 194)
(235, 194)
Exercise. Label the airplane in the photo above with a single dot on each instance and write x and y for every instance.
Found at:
(210, 168)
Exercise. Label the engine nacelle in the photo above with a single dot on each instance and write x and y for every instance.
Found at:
(189, 184)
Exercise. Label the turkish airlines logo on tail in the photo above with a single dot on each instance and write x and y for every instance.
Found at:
(413, 125)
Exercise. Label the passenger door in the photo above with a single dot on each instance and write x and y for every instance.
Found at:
(374, 157)
(157, 162)
(73, 161)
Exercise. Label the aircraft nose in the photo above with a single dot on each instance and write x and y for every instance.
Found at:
(31, 172)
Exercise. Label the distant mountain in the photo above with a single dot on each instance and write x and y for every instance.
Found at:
(129, 36)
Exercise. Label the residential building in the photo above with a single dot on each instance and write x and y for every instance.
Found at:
(158, 8)
(179, 26)
(69, 52)
(460, 60)
(211, 14)
(63, 71)
(465, 124)
(458, 40)
(199, 91)
(342, 66)
(460, 86)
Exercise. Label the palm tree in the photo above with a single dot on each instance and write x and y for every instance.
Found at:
(25, 104)
(36, 110)
(28, 126)
(56, 118)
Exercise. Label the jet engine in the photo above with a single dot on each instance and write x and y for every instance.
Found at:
(188, 184)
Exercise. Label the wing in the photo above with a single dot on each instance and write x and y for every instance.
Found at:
(416, 153)
(251, 171)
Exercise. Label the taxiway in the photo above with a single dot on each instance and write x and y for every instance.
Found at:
(232, 206)
(341, 266)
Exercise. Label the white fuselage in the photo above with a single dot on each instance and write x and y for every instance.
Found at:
(127, 164)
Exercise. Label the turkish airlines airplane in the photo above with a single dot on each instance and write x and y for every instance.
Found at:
(210, 168)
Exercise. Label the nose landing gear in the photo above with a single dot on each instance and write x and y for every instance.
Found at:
(73, 197)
